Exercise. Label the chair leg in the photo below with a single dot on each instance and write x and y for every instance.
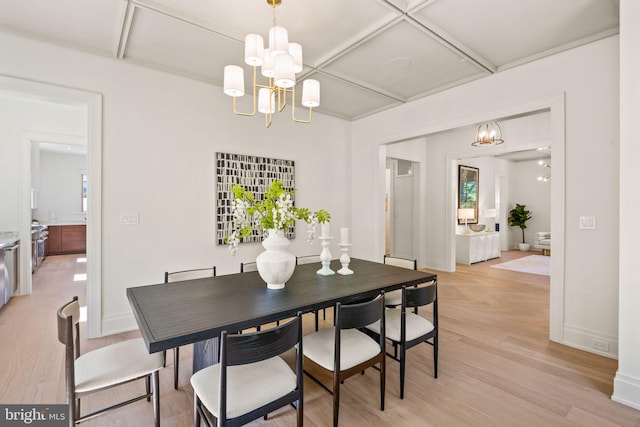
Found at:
(383, 381)
(176, 362)
(164, 358)
(147, 381)
(300, 413)
(196, 413)
(317, 316)
(402, 370)
(435, 356)
(336, 398)
(155, 382)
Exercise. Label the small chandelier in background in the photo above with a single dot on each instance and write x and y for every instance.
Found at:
(280, 63)
(487, 135)
(547, 177)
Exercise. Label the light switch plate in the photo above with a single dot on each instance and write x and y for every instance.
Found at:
(587, 223)
(130, 219)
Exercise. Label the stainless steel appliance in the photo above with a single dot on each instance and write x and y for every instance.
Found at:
(9, 271)
(43, 235)
(39, 236)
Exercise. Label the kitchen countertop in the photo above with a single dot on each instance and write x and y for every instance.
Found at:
(60, 223)
(8, 238)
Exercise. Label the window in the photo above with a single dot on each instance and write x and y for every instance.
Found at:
(83, 192)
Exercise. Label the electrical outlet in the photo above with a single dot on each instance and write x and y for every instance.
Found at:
(600, 345)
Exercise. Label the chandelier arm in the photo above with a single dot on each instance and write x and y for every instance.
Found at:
(267, 120)
(255, 107)
(282, 101)
(293, 108)
(293, 116)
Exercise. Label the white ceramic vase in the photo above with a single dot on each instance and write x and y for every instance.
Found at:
(524, 246)
(275, 264)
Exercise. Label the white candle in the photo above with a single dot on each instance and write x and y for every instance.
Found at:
(325, 229)
(344, 235)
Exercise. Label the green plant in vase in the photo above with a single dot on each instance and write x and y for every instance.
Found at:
(518, 217)
(275, 212)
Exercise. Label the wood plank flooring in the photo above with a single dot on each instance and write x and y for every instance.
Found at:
(497, 366)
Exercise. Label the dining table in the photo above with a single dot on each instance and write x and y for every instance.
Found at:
(196, 311)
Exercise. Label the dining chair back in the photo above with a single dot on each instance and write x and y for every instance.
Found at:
(197, 273)
(105, 367)
(406, 329)
(410, 264)
(176, 276)
(343, 350)
(394, 298)
(251, 379)
(246, 267)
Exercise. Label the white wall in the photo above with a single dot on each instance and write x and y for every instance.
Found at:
(60, 186)
(19, 116)
(525, 189)
(587, 77)
(160, 136)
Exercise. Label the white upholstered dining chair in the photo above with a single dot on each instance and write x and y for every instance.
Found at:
(406, 329)
(251, 379)
(106, 367)
(343, 350)
(175, 276)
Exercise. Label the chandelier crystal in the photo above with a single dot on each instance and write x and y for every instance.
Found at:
(487, 135)
(279, 62)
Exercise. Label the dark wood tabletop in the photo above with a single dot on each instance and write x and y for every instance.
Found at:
(190, 311)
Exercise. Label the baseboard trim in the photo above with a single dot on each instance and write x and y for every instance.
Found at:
(433, 264)
(626, 390)
(591, 341)
(118, 324)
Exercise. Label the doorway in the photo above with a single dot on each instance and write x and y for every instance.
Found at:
(92, 104)
(400, 208)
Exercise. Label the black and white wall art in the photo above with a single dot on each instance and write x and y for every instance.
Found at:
(256, 174)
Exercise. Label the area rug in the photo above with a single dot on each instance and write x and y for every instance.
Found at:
(535, 264)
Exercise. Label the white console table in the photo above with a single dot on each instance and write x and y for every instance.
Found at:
(476, 247)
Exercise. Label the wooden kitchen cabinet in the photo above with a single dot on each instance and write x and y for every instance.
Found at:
(67, 239)
(54, 240)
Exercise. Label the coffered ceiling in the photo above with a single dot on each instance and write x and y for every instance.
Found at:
(369, 55)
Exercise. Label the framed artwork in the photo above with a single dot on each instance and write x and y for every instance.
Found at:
(255, 173)
(468, 190)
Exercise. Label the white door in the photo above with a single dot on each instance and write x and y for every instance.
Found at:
(402, 218)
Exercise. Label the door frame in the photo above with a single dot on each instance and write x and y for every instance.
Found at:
(92, 102)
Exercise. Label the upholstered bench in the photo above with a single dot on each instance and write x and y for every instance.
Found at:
(542, 240)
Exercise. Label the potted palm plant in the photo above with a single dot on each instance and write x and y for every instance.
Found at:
(518, 217)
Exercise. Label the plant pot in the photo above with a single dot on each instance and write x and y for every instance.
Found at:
(524, 246)
(276, 264)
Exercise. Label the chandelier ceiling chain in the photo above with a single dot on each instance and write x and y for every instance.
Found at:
(279, 63)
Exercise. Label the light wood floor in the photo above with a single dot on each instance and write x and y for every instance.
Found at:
(497, 367)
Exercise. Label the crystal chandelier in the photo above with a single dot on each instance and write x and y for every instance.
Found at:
(487, 135)
(279, 63)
